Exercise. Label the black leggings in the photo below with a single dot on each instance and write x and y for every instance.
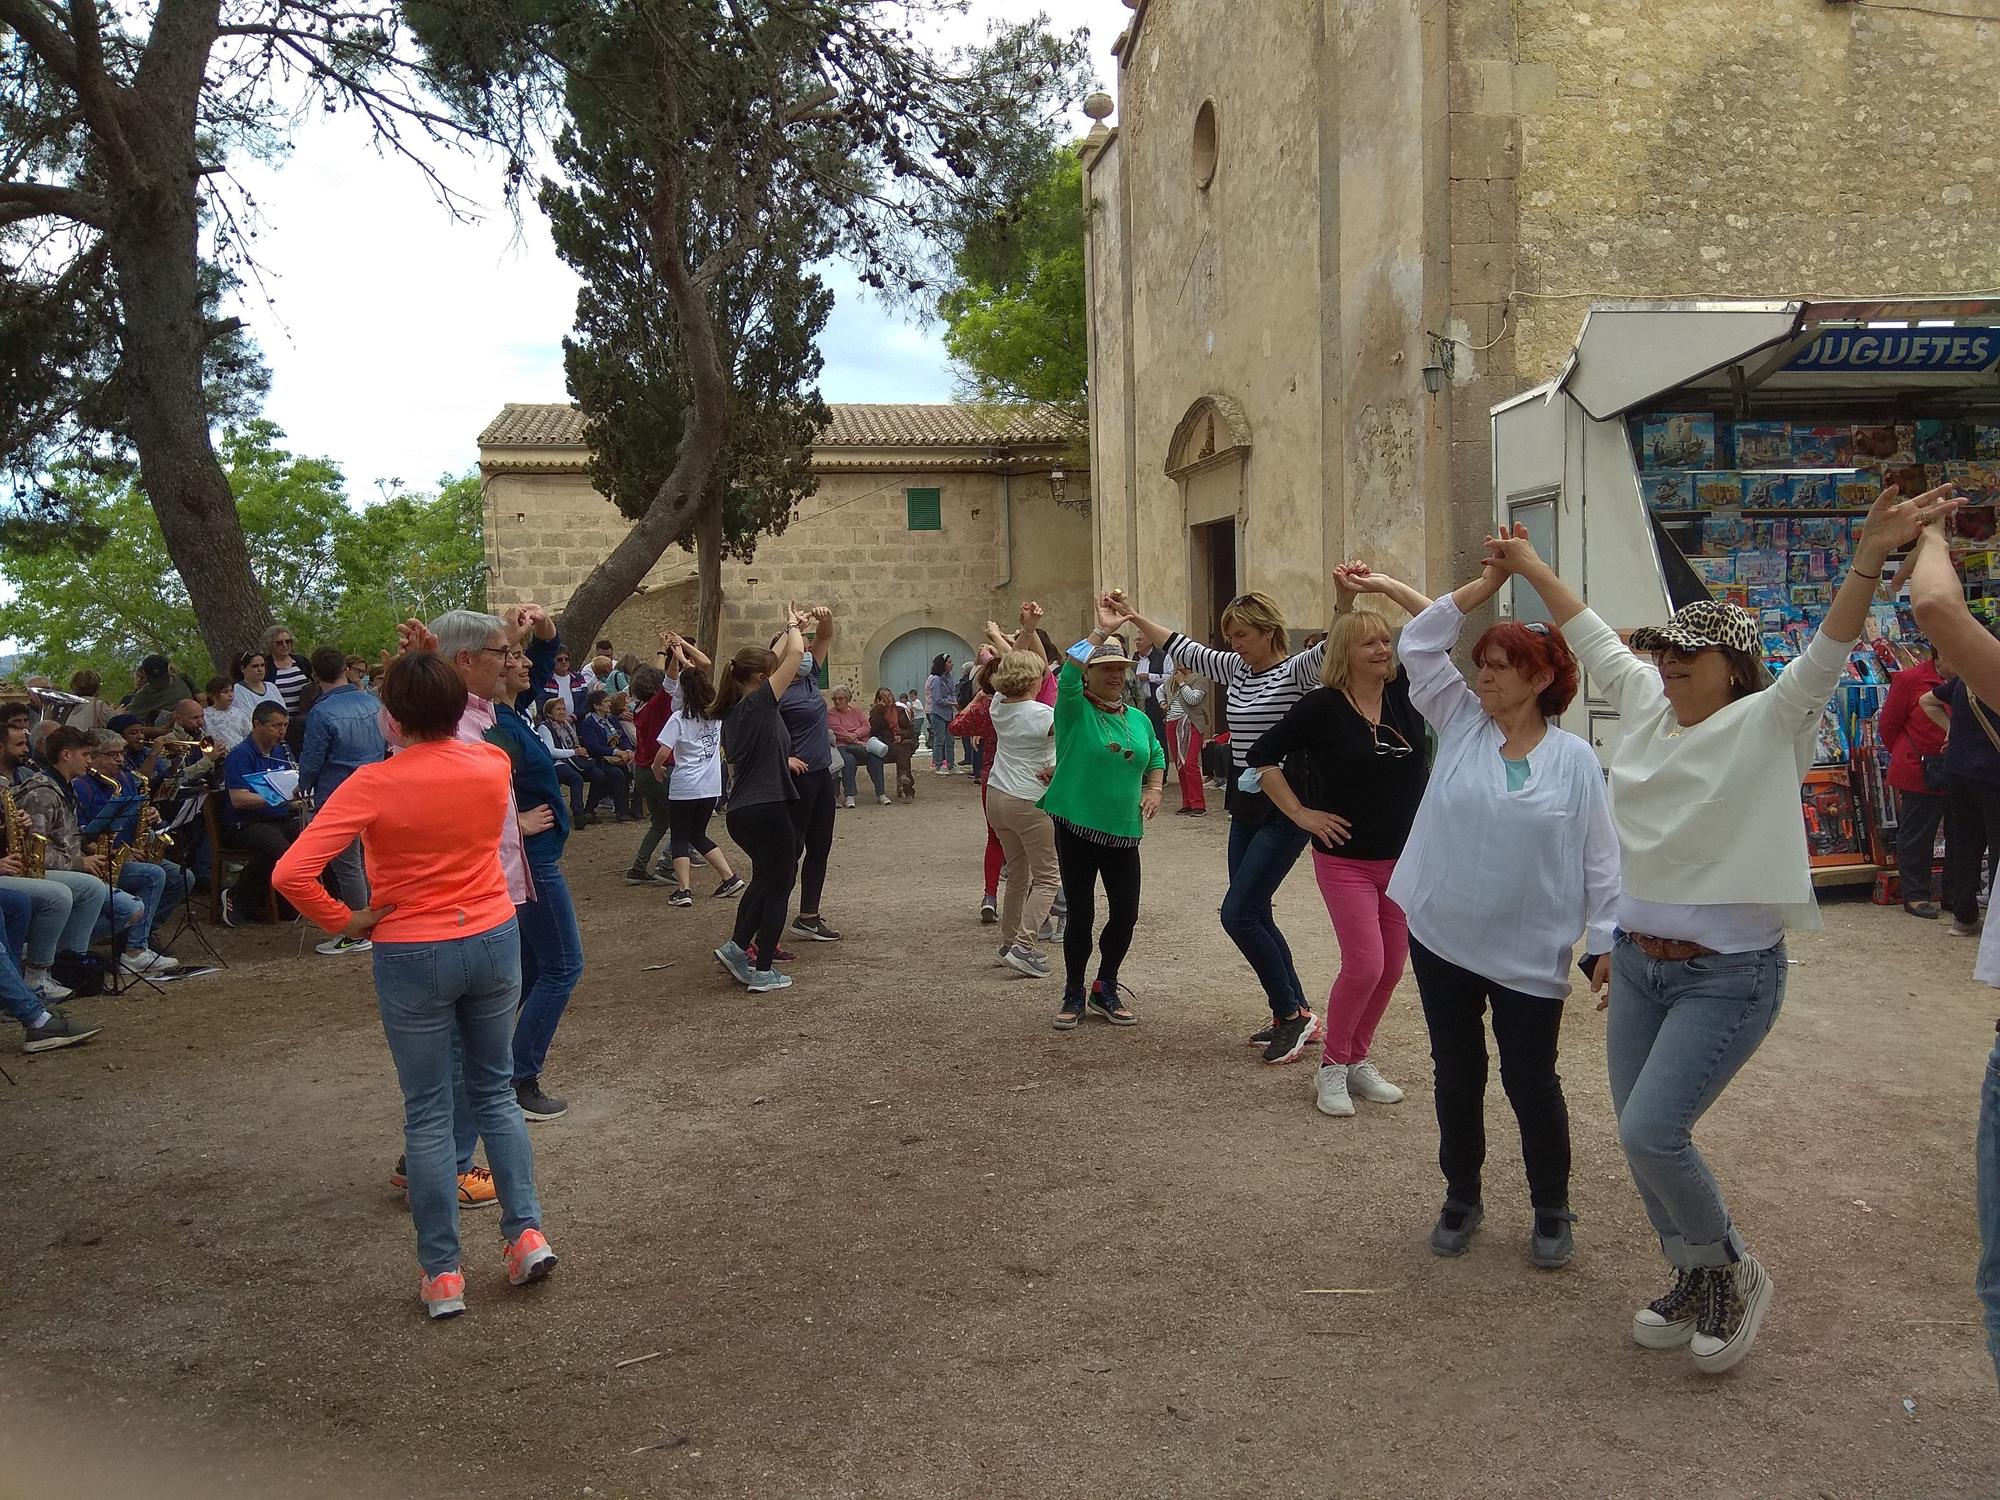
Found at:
(1081, 863)
(812, 826)
(764, 832)
(688, 827)
(1525, 1027)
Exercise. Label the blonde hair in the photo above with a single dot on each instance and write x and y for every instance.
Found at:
(1348, 631)
(1258, 612)
(1018, 672)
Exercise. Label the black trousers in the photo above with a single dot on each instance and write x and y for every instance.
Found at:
(1971, 827)
(764, 832)
(1918, 815)
(573, 782)
(1526, 1029)
(1082, 864)
(687, 827)
(266, 841)
(613, 782)
(812, 826)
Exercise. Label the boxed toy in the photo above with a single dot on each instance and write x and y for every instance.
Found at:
(1886, 444)
(1760, 569)
(1978, 482)
(1762, 445)
(1767, 492)
(1986, 440)
(1813, 491)
(1975, 523)
(1723, 531)
(1714, 570)
(1937, 441)
(1822, 447)
(1678, 440)
(1857, 491)
(1910, 479)
(1667, 490)
(1716, 487)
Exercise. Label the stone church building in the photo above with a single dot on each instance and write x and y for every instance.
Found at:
(1327, 237)
(928, 521)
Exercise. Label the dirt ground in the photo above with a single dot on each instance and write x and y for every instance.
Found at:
(894, 1236)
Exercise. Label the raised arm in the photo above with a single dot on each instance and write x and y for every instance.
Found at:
(673, 644)
(822, 630)
(1626, 682)
(1029, 637)
(1939, 599)
(791, 651)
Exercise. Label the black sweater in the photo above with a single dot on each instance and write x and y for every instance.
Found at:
(1331, 761)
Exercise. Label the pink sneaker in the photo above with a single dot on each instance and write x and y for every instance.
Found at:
(443, 1294)
(529, 1258)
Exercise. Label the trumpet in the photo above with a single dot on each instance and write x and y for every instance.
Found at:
(28, 846)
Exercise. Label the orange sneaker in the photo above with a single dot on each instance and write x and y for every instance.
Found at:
(476, 1189)
(529, 1258)
(443, 1294)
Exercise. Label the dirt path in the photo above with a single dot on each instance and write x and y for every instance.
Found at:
(897, 1237)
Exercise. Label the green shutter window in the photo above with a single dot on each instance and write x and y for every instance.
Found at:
(926, 509)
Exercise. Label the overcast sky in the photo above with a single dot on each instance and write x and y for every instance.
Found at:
(394, 333)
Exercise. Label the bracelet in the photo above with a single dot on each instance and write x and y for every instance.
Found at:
(1856, 572)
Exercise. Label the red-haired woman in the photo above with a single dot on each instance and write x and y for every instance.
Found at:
(1496, 927)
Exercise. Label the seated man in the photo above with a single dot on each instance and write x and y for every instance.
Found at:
(43, 791)
(44, 1030)
(850, 736)
(262, 827)
(139, 747)
(160, 885)
(574, 769)
(62, 910)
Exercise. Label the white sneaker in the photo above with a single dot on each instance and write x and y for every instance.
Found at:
(1330, 1091)
(849, 802)
(1363, 1082)
(43, 983)
(339, 944)
(146, 961)
(882, 801)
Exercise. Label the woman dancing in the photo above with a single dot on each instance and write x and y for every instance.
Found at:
(1260, 682)
(691, 742)
(1704, 794)
(1512, 856)
(1110, 768)
(446, 954)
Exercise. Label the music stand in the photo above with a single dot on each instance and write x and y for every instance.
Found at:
(188, 815)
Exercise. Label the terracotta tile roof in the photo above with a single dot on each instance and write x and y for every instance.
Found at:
(558, 425)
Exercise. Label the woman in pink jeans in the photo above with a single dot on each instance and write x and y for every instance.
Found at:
(1348, 764)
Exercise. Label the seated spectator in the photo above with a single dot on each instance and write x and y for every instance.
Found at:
(139, 751)
(343, 733)
(160, 886)
(851, 734)
(63, 909)
(251, 669)
(610, 747)
(218, 715)
(575, 770)
(42, 1030)
(257, 824)
(43, 789)
(158, 687)
(894, 723)
(93, 712)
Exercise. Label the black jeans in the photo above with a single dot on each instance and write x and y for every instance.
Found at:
(1918, 815)
(812, 826)
(573, 782)
(764, 832)
(1971, 827)
(1082, 863)
(265, 841)
(612, 782)
(1526, 1029)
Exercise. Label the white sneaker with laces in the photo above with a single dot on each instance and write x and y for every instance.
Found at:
(1363, 1082)
(847, 802)
(339, 944)
(43, 983)
(146, 961)
(1330, 1094)
(881, 801)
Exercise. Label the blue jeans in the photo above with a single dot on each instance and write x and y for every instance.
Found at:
(853, 756)
(442, 1002)
(52, 907)
(940, 741)
(159, 888)
(1677, 1033)
(551, 965)
(1989, 1205)
(17, 910)
(1260, 857)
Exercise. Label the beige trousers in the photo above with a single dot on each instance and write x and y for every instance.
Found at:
(1029, 839)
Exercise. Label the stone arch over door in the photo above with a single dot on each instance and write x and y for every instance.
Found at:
(901, 641)
(1208, 460)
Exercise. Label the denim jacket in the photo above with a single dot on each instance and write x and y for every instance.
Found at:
(343, 734)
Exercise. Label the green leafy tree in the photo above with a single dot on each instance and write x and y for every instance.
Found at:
(101, 591)
(1016, 325)
(734, 126)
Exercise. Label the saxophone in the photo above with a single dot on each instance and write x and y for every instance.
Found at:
(150, 842)
(28, 846)
(114, 854)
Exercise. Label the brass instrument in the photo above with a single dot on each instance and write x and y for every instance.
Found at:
(150, 843)
(28, 846)
(114, 857)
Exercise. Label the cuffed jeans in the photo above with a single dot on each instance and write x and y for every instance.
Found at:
(1260, 857)
(160, 889)
(853, 756)
(1989, 1205)
(432, 995)
(1677, 1033)
(53, 908)
(551, 965)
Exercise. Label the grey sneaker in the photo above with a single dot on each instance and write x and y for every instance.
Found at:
(763, 981)
(58, 1031)
(536, 1105)
(1025, 960)
(735, 960)
(989, 910)
(1552, 1246)
(1456, 1226)
(1731, 1312)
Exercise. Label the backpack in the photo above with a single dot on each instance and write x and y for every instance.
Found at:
(81, 973)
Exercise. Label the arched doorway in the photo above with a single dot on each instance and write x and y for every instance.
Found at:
(906, 661)
(1208, 459)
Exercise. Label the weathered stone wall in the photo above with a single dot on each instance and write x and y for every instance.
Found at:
(850, 548)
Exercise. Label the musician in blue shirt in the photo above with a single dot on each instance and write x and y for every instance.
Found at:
(264, 829)
(159, 886)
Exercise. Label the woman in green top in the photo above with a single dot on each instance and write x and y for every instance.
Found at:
(1110, 767)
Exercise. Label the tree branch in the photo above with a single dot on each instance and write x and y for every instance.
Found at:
(34, 200)
(96, 91)
(43, 37)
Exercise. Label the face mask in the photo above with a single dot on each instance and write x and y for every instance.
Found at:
(1251, 780)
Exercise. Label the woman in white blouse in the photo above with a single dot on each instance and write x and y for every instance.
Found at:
(251, 671)
(1498, 929)
(1704, 782)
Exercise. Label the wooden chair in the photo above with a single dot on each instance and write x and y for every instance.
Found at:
(221, 853)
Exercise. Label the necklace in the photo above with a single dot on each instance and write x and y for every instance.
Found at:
(1374, 719)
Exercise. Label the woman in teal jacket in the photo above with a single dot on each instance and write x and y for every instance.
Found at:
(1110, 768)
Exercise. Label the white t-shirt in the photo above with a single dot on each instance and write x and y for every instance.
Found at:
(1024, 746)
(697, 747)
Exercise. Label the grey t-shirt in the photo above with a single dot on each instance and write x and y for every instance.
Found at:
(757, 744)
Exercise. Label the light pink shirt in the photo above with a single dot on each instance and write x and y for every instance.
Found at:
(472, 727)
